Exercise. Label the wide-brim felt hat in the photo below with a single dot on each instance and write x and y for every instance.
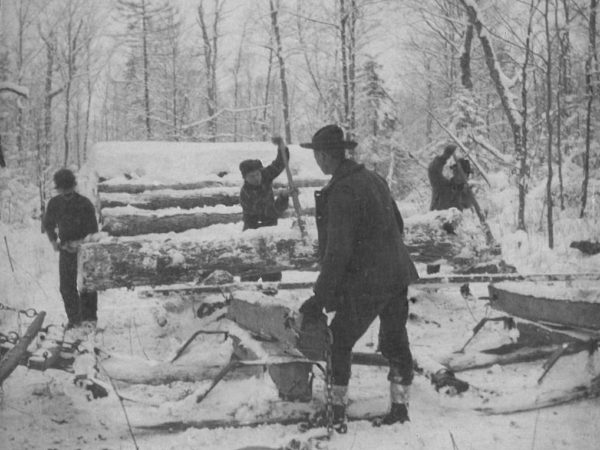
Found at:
(329, 137)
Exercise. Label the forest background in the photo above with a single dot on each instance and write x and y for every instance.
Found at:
(514, 81)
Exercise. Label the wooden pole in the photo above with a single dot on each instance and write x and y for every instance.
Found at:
(295, 200)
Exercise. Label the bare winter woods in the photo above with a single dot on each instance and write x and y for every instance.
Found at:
(514, 81)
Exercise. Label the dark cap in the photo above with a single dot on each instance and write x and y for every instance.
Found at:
(250, 165)
(329, 137)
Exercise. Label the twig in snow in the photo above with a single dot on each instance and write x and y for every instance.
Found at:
(537, 417)
(8, 254)
(454, 446)
(138, 338)
(99, 364)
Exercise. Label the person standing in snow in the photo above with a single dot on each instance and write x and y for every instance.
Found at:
(365, 270)
(260, 206)
(449, 193)
(75, 217)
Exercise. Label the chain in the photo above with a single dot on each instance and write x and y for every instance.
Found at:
(329, 386)
(29, 312)
(12, 337)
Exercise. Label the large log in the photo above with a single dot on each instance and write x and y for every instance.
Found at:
(171, 259)
(136, 187)
(185, 199)
(135, 224)
(127, 262)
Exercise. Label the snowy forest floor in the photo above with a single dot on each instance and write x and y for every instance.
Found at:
(48, 411)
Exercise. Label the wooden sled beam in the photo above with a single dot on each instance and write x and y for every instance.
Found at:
(14, 356)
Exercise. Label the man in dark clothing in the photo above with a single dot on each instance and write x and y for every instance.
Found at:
(365, 269)
(454, 192)
(75, 217)
(259, 205)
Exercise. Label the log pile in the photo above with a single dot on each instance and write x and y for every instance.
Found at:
(165, 259)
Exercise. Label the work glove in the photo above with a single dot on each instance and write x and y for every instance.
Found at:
(449, 150)
(313, 339)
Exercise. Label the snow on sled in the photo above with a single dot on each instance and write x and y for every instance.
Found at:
(574, 304)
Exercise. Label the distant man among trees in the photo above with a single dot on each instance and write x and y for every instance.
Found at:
(450, 192)
(260, 206)
(75, 217)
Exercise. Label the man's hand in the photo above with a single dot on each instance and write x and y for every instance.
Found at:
(279, 142)
(312, 307)
(449, 150)
(55, 246)
(71, 246)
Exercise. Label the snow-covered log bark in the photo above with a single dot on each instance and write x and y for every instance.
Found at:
(136, 187)
(168, 259)
(127, 262)
(185, 199)
(131, 224)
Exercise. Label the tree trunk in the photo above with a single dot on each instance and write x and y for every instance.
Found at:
(265, 129)
(282, 76)
(344, 56)
(146, 69)
(506, 99)
(549, 126)
(591, 76)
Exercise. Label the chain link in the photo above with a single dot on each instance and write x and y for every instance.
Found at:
(29, 312)
(329, 386)
(12, 337)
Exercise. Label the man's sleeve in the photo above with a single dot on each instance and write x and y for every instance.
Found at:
(273, 170)
(91, 224)
(341, 234)
(399, 219)
(246, 207)
(50, 221)
(436, 168)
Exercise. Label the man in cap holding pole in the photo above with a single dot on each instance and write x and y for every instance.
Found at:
(365, 270)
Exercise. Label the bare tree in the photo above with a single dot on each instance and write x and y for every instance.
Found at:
(549, 127)
(282, 76)
(591, 68)
(210, 40)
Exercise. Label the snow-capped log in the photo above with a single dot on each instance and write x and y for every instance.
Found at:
(137, 187)
(135, 224)
(184, 199)
(153, 260)
(175, 258)
(450, 235)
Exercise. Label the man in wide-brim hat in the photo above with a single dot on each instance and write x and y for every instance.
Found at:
(365, 269)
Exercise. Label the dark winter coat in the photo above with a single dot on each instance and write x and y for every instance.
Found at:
(259, 206)
(74, 216)
(360, 231)
(447, 193)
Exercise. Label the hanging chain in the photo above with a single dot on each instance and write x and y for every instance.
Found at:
(12, 337)
(29, 312)
(329, 386)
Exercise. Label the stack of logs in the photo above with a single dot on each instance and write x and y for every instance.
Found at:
(130, 213)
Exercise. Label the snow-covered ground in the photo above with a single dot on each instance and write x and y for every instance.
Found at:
(47, 410)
